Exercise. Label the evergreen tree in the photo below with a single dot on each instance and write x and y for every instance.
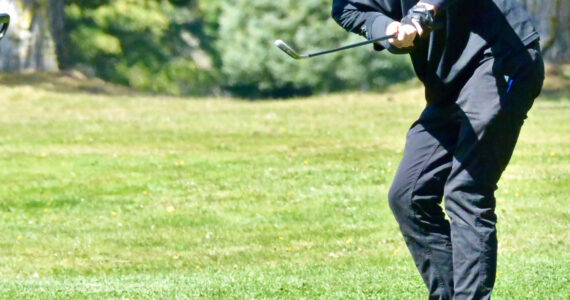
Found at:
(253, 66)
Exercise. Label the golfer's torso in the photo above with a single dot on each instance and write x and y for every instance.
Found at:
(445, 59)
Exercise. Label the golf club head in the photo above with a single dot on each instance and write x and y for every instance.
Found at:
(283, 46)
(4, 22)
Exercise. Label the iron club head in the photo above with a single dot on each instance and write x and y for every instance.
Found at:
(287, 49)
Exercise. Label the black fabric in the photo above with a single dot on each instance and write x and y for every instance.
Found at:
(458, 152)
(445, 59)
(425, 18)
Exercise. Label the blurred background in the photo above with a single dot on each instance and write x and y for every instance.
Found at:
(214, 47)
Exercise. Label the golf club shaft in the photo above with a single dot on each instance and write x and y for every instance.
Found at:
(351, 46)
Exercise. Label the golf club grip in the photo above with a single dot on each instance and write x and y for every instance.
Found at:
(353, 45)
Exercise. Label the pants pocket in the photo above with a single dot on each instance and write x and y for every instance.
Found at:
(520, 80)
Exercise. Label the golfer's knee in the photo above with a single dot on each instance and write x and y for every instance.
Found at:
(397, 199)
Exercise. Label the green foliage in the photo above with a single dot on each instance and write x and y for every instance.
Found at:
(149, 45)
(254, 66)
(197, 47)
(97, 42)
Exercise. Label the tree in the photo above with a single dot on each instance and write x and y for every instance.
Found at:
(156, 45)
(254, 67)
(29, 44)
(552, 18)
(57, 26)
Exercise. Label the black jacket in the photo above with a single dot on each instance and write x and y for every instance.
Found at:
(445, 59)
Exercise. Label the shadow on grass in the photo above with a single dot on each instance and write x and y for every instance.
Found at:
(556, 86)
(65, 82)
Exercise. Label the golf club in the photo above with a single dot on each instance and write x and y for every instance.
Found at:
(5, 21)
(287, 49)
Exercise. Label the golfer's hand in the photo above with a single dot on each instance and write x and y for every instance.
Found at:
(406, 34)
(416, 23)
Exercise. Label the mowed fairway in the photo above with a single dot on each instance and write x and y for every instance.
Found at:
(119, 196)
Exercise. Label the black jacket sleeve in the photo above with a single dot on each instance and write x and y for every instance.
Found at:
(368, 18)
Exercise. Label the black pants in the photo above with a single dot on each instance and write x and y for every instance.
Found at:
(458, 152)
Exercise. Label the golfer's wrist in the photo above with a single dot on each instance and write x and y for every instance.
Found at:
(378, 28)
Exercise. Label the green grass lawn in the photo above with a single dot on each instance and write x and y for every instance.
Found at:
(123, 196)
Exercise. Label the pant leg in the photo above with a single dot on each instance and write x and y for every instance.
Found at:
(416, 195)
(493, 107)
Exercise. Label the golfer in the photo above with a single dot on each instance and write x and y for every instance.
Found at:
(481, 66)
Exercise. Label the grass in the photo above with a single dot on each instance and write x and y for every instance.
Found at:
(117, 195)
